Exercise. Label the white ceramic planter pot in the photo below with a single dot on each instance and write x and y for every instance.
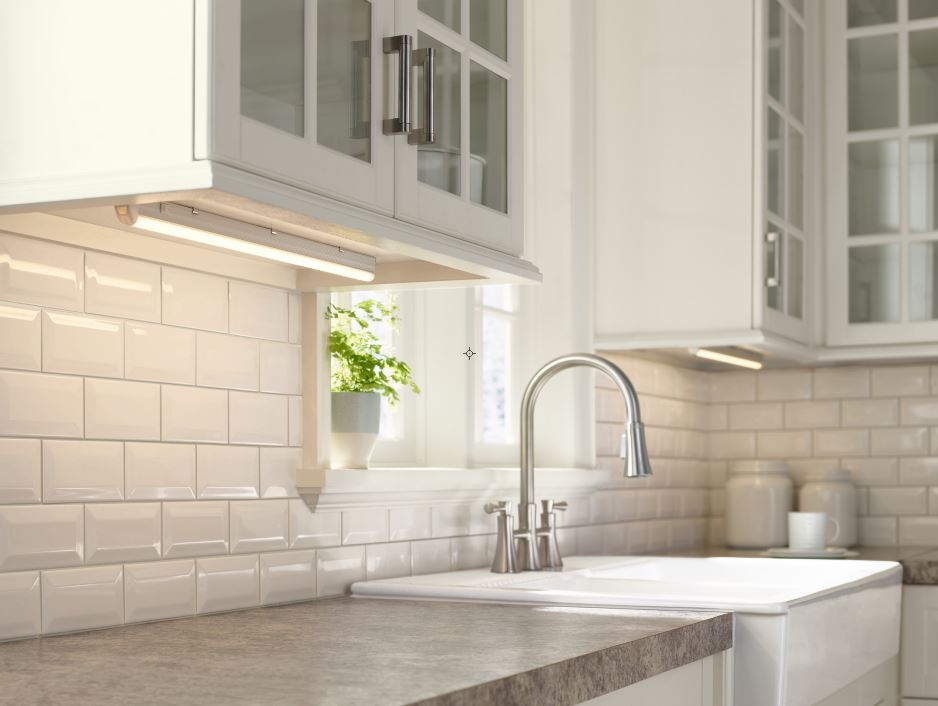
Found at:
(356, 418)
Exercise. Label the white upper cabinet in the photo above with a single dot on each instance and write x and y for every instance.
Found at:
(882, 171)
(704, 233)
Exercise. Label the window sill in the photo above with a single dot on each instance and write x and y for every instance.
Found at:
(342, 488)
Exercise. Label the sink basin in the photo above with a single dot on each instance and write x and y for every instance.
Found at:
(804, 629)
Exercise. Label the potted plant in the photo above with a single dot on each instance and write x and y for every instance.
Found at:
(362, 372)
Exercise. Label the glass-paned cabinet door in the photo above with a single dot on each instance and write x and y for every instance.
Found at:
(882, 154)
(785, 225)
(465, 178)
(301, 91)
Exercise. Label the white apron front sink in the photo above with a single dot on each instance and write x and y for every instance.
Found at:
(803, 628)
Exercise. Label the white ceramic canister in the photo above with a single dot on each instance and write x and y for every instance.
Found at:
(759, 496)
(833, 492)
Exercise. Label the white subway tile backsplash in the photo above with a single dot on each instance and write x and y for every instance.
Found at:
(195, 528)
(35, 404)
(82, 345)
(785, 385)
(910, 441)
(923, 410)
(194, 414)
(387, 561)
(295, 318)
(41, 273)
(116, 409)
(870, 413)
(19, 605)
(288, 576)
(873, 471)
(194, 300)
(120, 286)
(159, 471)
(918, 471)
(733, 387)
(258, 525)
(337, 569)
(898, 501)
(227, 472)
(470, 552)
(159, 353)
(159, 590)
(295, 421)
(879, 531)
(227, 583)
(78, 471)
(842, 442)
(409, 523)
(259, 312)
(278, 471)
(80, 599)
(732, 445)
(20, 471)
(364, 526)
(313, 529)
(258, 419)
(933, 501)
(20, 337)
(450, 520)
(280, 369)
(918, 531)
(783, 444)
(841, 383)
(227, 361)
(40, 536)
(812, 415)
(901, 381)
(119, 532)
(754, 416)
(430, 556)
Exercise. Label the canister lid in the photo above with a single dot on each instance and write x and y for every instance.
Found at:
(832, 475)
(759, 466)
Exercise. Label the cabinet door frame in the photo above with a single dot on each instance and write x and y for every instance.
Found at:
(434, 208)
(300, 161)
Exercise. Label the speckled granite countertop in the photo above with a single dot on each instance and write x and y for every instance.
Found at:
(363, 651)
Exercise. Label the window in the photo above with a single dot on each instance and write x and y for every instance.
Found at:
(496, 407)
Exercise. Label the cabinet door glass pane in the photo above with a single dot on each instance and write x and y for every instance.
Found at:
(861, 13)
(776, 165)
(795, 69)
(795, 178)
(873, 86)
(343, 77)
(874, 283)
(273, 57)
(774, 267)
(873, 190)
(488, 25)
(923, 76)
(794, 276)
(446, 12)
(923, 281)
(920, 9)
(923, 183)
(438, 164)
(488, 138)
(776, 16)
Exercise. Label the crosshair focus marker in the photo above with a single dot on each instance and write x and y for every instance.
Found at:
(469, 353)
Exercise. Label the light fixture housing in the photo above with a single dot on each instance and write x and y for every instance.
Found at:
(731, 356)
(220, 232)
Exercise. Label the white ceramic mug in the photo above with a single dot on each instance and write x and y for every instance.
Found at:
(807, 531)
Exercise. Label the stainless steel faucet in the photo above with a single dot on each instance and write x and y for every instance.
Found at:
(533, 546)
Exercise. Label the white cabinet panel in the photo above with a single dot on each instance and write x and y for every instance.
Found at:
(920, 641)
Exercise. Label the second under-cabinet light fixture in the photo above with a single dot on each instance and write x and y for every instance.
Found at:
(730, 356)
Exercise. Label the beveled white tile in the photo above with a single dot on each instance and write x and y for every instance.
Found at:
(278, 472)
(19, 605)
(918, 531)
(258, 311)
(589, 540)
(41, 273)
(812, 415)
(258, 419)
(40, 536)
(194, 300)
(785, 385)
(82, 471)
(195, 528)
(431, 556)
(20, 337)
(841, 383)
(313, 529)
(754, 415)
(908, 441)
(409, 523)
(450, 520)
(732, 444)
(258, 525)
(842, 442)
(80, 599)
(387, 561)
(159, 353)
(116, 409)
(155, 471)
(783, 444)
(295, 314)
(20, 471)
(159, 590)
(35, 404)
(119, 532)
(898, 501)
(923, 410)
(873, 471)
(337, 569)
(281, 369)
(288, 576)
(295, 413)
(879, 531)
(227, 583)
(901, 381)
(195, 414)
(918, 471)
(227, 472)
(733, 387)
(120, 286)
(365, 525)
(870, 413)
(469, 552)
(226, 361)
(82, 345)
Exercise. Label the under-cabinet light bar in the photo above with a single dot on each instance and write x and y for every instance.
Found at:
(212, 230)
(733, 357)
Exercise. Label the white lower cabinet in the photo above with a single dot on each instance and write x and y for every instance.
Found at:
(919, 645)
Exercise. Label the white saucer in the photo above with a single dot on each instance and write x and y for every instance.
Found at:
(829, 553)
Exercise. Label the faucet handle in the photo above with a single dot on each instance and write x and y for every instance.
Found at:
(503, 507)
(549, 506)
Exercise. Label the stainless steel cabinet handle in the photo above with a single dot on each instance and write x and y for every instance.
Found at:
(774, 239)
(426, 134)
(400, 43)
